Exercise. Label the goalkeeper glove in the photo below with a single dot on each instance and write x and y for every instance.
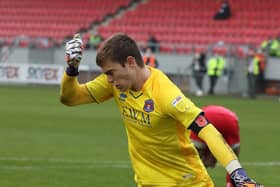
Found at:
(240, 179)
(73, 55)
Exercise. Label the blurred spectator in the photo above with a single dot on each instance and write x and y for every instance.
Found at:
(22, 41)
(94, 40)
(42, 43)
(153, 43)
(253, 71)
(265, 45)
(224, 11)
(198, 71)
(215, 68)
(261, 82)
(149, 58)
(272, 46)
(274, 49)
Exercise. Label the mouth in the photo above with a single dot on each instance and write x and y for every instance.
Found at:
(119, 87)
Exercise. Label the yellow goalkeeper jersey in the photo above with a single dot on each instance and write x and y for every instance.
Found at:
(156, 121)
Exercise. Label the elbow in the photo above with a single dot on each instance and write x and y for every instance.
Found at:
(66, 101)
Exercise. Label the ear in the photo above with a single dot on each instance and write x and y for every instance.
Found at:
(130, 61)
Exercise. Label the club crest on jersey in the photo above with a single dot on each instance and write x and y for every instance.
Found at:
(122, 96)
(149, 105)
(201, 121)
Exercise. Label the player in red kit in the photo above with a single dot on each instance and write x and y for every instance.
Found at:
(226, 122)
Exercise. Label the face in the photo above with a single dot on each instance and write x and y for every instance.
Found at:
(122, 77)
(197, 55)
(148, 51)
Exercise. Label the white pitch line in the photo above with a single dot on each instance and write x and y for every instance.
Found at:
(34, 167)
(54, 163)
(62, 160)
(272, 163)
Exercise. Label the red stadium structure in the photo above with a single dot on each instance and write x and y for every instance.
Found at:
(180, 26)
(54, 19)
(181, 23)
(190, 22)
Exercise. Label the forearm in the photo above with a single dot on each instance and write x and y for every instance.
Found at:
(219, 148)
(72, 93)
(222, 152)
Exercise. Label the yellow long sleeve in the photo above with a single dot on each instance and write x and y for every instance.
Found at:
(217, 145)
(72, 93)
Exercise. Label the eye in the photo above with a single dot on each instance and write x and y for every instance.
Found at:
(109, 73)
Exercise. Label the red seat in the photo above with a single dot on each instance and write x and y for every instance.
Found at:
(48, 18)
(180, 22)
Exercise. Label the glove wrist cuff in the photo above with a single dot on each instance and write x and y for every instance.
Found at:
(232, 166)
(72, 71)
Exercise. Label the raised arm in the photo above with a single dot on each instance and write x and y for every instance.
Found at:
(71, 92)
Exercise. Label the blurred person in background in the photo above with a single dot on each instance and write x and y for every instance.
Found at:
(198, 71)
(215, 68)
(252, 70)
(265, 45)
(226, 122)
(224, 11)
(271, 46)
(153, 43)
(157, 116)
(94, 40)
(261, 82)
(274, 47)
(149, 58)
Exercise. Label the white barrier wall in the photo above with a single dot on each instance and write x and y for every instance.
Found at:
(28, 66)
(169, 63)
(31, 73)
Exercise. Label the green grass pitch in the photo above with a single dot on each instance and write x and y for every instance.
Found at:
(46, 144)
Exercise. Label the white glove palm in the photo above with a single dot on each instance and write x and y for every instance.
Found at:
(74, 50)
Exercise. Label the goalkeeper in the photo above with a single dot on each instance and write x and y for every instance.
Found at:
(226, 122)
(156, 115)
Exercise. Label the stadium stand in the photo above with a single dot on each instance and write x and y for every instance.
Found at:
(190, 22)
(52, 19)
(179, 25)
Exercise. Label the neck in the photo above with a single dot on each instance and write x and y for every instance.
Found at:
(141, 77)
